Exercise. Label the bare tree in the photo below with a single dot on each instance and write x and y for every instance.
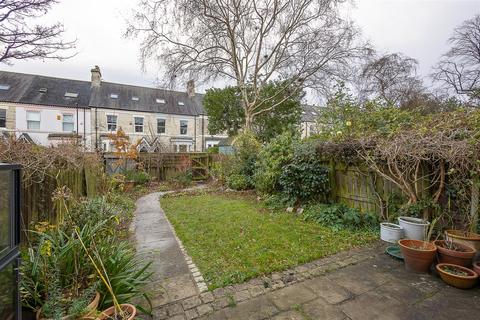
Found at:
(20, 39)
(392, 78)
(459, 68)
(304, 43)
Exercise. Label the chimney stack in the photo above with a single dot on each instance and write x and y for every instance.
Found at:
(191, 88)
(96, 76)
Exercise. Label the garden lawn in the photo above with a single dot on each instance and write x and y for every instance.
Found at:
(233, 238)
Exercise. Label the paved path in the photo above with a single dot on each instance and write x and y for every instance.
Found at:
(360, 284)
(156, 241)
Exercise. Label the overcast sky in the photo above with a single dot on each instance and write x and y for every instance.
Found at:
(418, 28)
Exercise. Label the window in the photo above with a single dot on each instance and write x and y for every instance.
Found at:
(3, 118)
(135, 98)
(4, 87)
(33, 120)
(182, 148)
(138, 124)
(114, 96)
(160, 100)
(183, 126)
(71, 94)
(111, 122)
(160, 126)
(67, 123)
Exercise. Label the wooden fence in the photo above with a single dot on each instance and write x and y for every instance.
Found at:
(359, 187)
(164, 165)
(39, 202)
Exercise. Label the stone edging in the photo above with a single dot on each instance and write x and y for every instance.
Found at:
(195, 272)
(207, 302)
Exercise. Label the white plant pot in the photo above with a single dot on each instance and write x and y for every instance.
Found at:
(415, 228)
(391, 232)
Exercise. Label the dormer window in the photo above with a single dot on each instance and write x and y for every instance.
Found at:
(71, 94)
(114, 96)
(180, 103)
(4, 87)
(43, 90)
(160, 100)
(135, 98)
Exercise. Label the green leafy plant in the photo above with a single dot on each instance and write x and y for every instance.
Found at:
(305, 178)
(339, 216)
(271, 160)
(137, 176)
(237, 182)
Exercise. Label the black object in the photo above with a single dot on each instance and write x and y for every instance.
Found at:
(10, 308)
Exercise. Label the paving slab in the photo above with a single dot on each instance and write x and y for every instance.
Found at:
(156, 241)
(320, 309)
(328, 290)
(256, 309)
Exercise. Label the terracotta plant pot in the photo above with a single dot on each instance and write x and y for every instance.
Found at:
(476, 268)
(470, 239)
(455, 280)
(462, 258)
(130, 309)
(418, 254)
(89, 313)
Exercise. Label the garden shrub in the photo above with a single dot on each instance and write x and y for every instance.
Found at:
(237, 181)
(271, 160)
(182, 179)
(339, 216)
(242, 162)
(278, 201)
(58, 276)
(305, 178)
(137, 176)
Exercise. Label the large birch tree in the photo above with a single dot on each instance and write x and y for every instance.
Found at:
(248, 43)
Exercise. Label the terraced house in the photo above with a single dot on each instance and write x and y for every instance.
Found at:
(48, 111)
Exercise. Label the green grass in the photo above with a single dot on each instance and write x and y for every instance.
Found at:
(234, 238)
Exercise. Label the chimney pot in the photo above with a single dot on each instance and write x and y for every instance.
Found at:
(191, 88)
(96, 76)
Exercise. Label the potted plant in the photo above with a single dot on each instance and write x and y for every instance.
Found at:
(390, 232)
(415, 228)
(457, 276)
(123, 311)
(117, 311)
(476, 267)
(83, 307)
(418, 254)
(470, 239)
(454, 253)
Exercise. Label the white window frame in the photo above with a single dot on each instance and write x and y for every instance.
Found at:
(186, 131)
(135, 125)
(72, 122)
(39, 121)
(164, 126)
(4, 118)
(116, 122)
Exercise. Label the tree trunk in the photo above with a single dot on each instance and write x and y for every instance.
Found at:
(474, 204)
(248, 121)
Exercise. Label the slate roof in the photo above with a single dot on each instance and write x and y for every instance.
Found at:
(25, 88)
(146, 99)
